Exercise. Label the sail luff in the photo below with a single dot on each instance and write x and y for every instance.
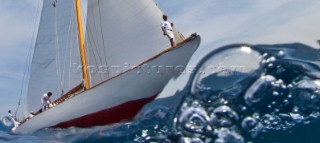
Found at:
(81, 46)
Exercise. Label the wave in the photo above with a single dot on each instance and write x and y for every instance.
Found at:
(237, 93)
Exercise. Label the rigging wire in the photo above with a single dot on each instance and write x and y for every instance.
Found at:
(71, 46)
(67, 46)
(57, 48)
(29, 56)
(104, 47)
(95, 56)
(94, 50)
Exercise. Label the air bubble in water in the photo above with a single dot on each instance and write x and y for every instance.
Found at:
(226, 135)
(223, 116)
(194, 118)
(248, 123)
(280, 53)
(257, 90)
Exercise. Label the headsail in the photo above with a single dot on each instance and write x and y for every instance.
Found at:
(120, 35)
(56, 49)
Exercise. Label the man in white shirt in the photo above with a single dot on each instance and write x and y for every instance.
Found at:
(10, 114)
(167, 29)
(45, 100)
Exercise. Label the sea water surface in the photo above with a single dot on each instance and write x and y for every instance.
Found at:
(236, 94)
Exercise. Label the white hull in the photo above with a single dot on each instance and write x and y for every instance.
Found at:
(134, 85)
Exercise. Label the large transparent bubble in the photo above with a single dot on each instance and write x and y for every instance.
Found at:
(242, 91)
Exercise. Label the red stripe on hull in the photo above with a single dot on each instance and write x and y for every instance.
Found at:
(115, 114)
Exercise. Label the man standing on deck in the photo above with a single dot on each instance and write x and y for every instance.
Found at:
(45, 100)
(167, 29)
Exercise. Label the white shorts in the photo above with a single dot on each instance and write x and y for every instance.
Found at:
(170, 34)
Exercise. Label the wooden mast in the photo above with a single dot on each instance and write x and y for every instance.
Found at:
(81, 46)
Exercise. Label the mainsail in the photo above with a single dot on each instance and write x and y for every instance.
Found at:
(54, 66)
(120, 35)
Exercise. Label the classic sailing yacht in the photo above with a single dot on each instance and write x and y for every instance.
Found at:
(122, 65)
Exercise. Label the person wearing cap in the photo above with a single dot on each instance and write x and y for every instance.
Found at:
(45, 100)
(167, 29)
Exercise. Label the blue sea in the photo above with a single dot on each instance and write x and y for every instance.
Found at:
(236, 94)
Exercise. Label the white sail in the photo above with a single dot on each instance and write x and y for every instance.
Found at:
(120, 35)
(56, 49)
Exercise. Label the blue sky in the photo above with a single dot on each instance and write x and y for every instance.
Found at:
(219, 22)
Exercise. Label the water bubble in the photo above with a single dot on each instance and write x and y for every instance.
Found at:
(270, 65)
(257, 90)
(226, 135)
(296, 117)
(226, 67)
(272, 59)
(275, 93)
(243, 108)
(193, 119)
(286, 102)
(268, 119)
(256, 116)
(248, 123)
(265, 55)
(191, 140)
(306, 95)
(280, 53)
(284, 87)
(223, 116)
